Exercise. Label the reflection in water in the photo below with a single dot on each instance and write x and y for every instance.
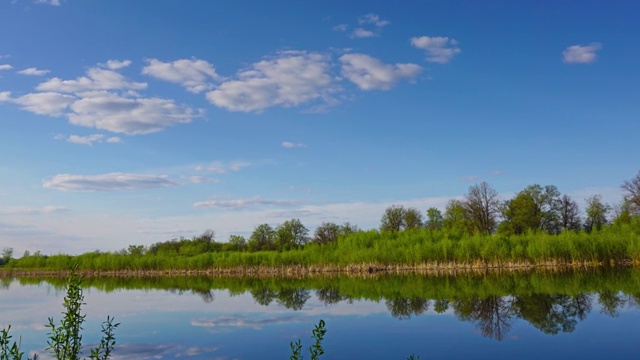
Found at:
(552, 302)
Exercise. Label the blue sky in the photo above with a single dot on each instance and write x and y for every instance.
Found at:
(135, 123)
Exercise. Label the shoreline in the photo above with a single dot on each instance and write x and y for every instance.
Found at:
(311, 270)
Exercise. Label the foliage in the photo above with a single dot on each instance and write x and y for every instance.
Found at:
(435, 220)
(393, 218)
(596, 213)
(65, 340)
(569, 214)
(521, 214)
(413, 219)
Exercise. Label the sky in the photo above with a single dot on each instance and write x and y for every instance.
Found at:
(127, 123)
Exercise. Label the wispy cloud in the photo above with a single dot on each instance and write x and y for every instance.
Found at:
(439, 49)
(48, 2)
(374, 24)
(32, 71)
(85, 140)
(5, 67)
(27, 210)
(373, 19)
(196, 350)
(201, 180)
(581, 54)
(369, 73)
(194, 74)
(221, 167)
(340, 27)
(289, 79)
(360, 33)
(289, 145)
(108, 182)
(246, 203)
(245, 322)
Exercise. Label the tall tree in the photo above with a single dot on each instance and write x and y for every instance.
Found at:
(569, 213)
(237, 242)
(327, 232)
(292, 233)
(456, 219)
(262, 238)
(413, 219)
(596, 213)
(435, 220)
(632, 189)
(7, 254)
(520, 214)
(393, 218)
(547, 200)
(482, 204)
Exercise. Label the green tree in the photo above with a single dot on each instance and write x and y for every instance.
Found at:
(520, 214)
(413, 219)
(237, 242)
(7, 254)
(596, 213)
(482, 204)
(262, 238)
(326, 233)
(136, 250)
(435, 220)
(547, 200)
(456, 219)
(290, 234)
(393, 218)
(569, 214)
(623, 212)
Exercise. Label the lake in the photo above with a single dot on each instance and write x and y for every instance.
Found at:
(586, 314)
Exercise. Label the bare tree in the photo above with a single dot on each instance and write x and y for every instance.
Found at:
(327, 232)
(482, 203)
(632, 188)
(569, 213)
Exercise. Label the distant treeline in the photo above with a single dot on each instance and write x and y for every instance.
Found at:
(539, 225)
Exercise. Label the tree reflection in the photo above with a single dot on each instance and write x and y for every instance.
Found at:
(293, 299)
(610, 302)
(263, 296)
(492, 314)
(440, 305)
(404, 308)
(331, 295)
(552, 313)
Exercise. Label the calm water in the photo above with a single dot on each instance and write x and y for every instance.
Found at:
(586, 315)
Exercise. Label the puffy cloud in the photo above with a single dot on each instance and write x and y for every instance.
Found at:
(32, 71)
(369, 73)
(96, 79)
(289, 145)
(239, 204)
(5, 96)
(115, 113)
(45, 103)
(116, 64)
(361, 33)
(290, 79)
(220, 167)
(5, 67)
(439, 49)
(107, 182)
(581, 54)
(193, 74)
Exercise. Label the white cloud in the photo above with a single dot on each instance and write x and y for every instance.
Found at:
(119, 114)
(45, 103)
(289, 145)
(340, 27)
(439, 49)
(114, 140)
(96, 79)
(220, 167)
(581, 54)
(32, 71)
(361, 33)
(107, 182)
(369, 73)
(5, 96)
(5, 67)
(290, 79)
(238, 204)
(85, 140)
(48, 2)
(193, 74)
(27, 210)
(116, 64)
(373, 19)
(201, 180)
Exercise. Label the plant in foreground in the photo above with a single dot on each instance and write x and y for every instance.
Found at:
(65, 340)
